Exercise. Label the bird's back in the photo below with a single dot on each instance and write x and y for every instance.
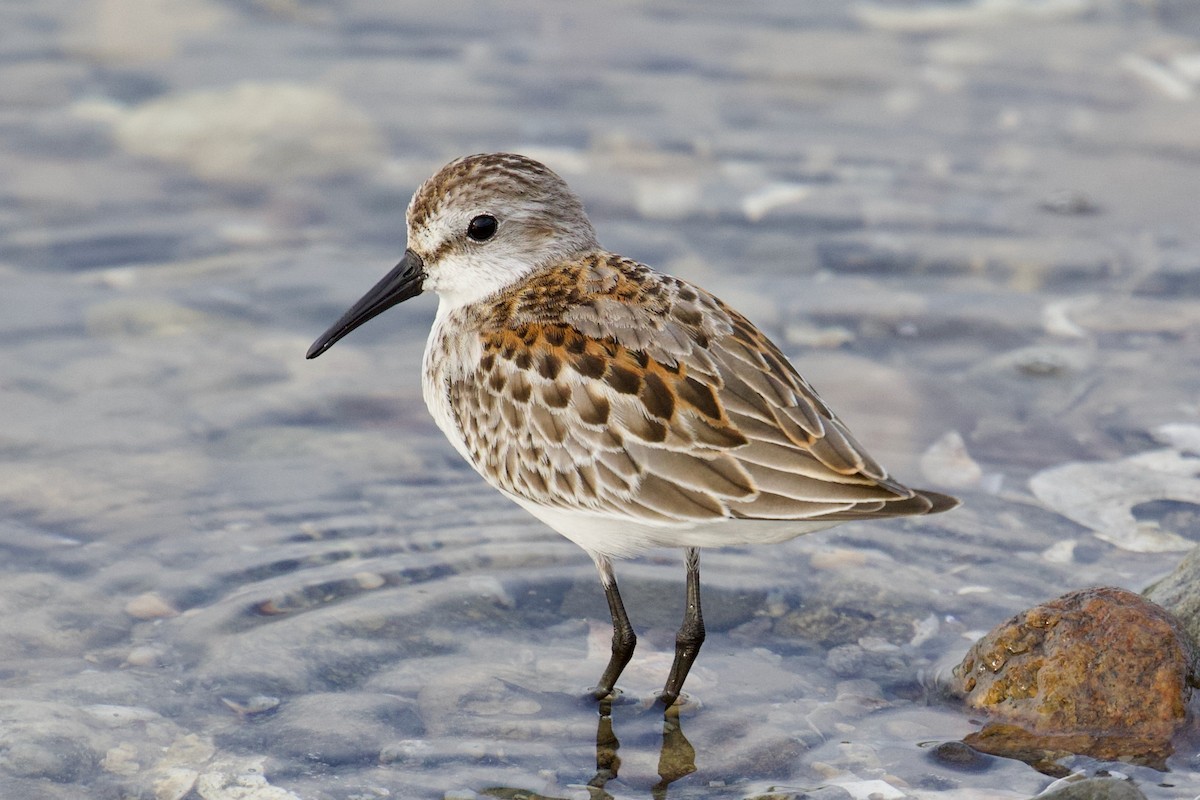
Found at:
(601, 390)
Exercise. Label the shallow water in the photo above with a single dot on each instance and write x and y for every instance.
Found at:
(230, 572)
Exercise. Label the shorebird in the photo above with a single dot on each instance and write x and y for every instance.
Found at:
(625, 408)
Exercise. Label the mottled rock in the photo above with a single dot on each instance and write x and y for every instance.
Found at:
(1100, 672)
(1096, 789)
(1179, 593)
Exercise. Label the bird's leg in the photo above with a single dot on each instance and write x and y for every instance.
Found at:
(691, 633)
(624, 639)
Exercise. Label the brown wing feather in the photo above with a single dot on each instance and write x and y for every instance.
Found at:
(616, 389)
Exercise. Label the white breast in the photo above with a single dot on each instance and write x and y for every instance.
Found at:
(449, 353)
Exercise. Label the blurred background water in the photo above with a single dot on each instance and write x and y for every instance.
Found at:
(231, 573)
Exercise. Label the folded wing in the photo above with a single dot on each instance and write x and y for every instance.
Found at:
(642, 396)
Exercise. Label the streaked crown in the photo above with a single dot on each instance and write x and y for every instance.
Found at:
(538, 221)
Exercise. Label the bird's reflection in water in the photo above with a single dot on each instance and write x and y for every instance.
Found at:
(608, 763)
(676, 759)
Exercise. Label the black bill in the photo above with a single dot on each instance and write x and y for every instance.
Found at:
(404, 281)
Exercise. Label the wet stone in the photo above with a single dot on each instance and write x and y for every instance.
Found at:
(960, 756)
(1100, 672)
(1096, 789)
(1179, 593)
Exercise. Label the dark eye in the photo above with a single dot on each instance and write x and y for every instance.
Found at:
(482, 228)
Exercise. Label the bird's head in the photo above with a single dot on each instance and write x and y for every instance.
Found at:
(480, 224)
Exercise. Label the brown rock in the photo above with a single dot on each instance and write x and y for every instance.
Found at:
(1100, 672)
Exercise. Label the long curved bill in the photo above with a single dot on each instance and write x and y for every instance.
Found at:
(404, 281)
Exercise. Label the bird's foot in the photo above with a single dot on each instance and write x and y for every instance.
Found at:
(600, 693)
(674, 704)
(615, 696)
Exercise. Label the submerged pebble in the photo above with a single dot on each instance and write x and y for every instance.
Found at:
(150, 605)
(960, 756)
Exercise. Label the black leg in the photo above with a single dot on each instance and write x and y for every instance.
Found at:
(624, 639)
(691, 633)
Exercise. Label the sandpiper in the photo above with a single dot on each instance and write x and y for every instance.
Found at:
(625, 408)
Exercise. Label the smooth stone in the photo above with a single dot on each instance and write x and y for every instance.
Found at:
(150, 606)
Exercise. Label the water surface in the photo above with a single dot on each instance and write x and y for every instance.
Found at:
(228, 570)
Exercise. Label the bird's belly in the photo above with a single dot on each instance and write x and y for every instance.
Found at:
(616, 537)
